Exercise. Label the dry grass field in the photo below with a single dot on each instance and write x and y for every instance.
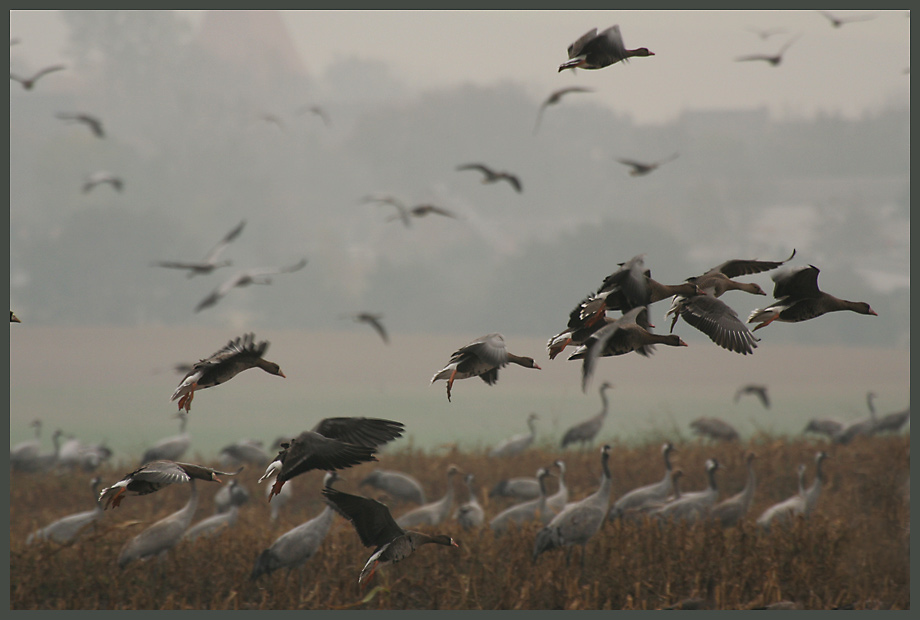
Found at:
(852, 553)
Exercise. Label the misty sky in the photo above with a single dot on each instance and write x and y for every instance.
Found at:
(846, 70)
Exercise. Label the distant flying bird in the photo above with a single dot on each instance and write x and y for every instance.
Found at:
(374, 320)
(798, 298)
(93, 122)
(481, 358)
(491, 176)
(29, 82)
(596, 51)
(773, 59)
(152, 477)
(405, 213)
(334, 443)
(318, 111)
(238, 355)
(640, 168)
(272, 118)
(102, 177)
(760, 391)
(209, 263)
(837, 22)
(554, 98)
(766, 33)
(14, 318)
(377, 528)
(245, 278)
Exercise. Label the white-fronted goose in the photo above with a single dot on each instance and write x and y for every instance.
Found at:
(554, 98)
(596, 51)
(517, 443)
(210, 262)
(585, 432)
(619, 338)
(798, 298)
(239, 355)
(481, 358)
(655, 492)
(334, 443)
(372, 319)
(152, 477)
(578, 521)
(760, 391)
(94, 123)
(293, 548)
(435, 512)
(398, 485)
(728, 512)
(67, 529)
(245, 278)
(28, 83)
(376, 528)
(641, 168)
(493, 176)
(162, 535)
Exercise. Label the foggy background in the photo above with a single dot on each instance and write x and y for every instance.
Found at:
(811, 155)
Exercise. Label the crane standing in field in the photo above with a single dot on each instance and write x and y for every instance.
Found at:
(68, 529)
(436, 512)
(648, 494)
(517, 443)
(162, 536)
(585, 432)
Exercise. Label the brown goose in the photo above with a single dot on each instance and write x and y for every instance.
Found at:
(481, 358)
(334, 443)
(245, 278)
(596, 51)
(554, 98)
(239, 355)
(156, 475)
(29, 82)
(640, 168)
(376, 528)
(619, 337)
(492, 176)
(372, 319)
(760, 391)
(798, 298)
(773, 59)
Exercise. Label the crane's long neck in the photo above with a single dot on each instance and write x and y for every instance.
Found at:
(605, 404)
(748, 493)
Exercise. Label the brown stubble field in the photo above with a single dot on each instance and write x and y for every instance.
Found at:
(852, 553)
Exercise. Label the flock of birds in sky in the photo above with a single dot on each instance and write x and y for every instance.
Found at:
(611, 321)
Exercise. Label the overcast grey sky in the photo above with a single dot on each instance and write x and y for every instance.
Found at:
(846, 70)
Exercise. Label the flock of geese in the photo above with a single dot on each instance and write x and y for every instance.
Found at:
(338, 443)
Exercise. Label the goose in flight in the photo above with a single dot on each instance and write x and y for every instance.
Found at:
(772, 59)
(152, 477)
(837, 22)
(481, 358)
(492, 176)
(210, 262)
(798, 298)
(372, 319)
(245, 278)
(760, 391)
(238, 355)
(640, 168)
(334, 443)
(596, 51)
(93, 122)
(377, 528)
(28, 83)
(554, 98)
(318, 111)
(103, 177)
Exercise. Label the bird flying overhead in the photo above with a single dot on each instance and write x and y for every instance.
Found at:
(209, 263)
(29, 82)
(245, 278)
(491, 176)
(374, 320)
(596, 51)
(102, 177)
(93, 122)
(773, 59)
(642, 168)
(554, 98)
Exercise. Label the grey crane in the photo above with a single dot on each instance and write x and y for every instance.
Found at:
(578, 521)
(824, 426)
(891, 422)
(376, 528)
(210, 261)
(293, 548)
(213, 525)
(855, 428)
(23, 453)
(75, 453)
(470, 514)
(728, 512)
(517, 443)
(691, 507)
(230, 495)
(714, 428)
(557, 501)
(520, 488)
(435, 512)
(47, 461)
(585, 432)
(244, 451)
(654, 492)
(788, 508)
(635, 514)
(398, 485)
(68, 529)
(163, 535)
(813, 492)
(170, 448)
(532, 510)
